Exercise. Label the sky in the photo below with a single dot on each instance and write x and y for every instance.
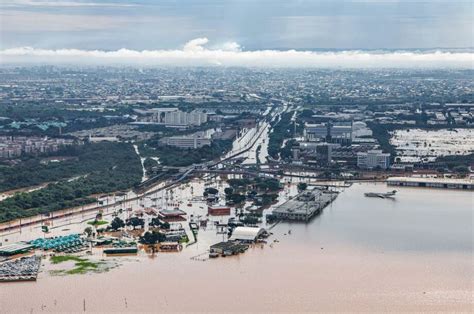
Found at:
(238, 32)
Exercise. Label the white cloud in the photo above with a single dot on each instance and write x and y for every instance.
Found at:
(194, 53)
(33, 3)
(195, 45)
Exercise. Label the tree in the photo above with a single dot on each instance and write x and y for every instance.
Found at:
(156, 222)
(135, 221)
(88, 231)
(302, 186)
(152, 237)
(117, 223)
(211, 191)
(463, 170)
(228, 191)
(236, 198)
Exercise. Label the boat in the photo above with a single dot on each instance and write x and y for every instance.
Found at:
(390, 194)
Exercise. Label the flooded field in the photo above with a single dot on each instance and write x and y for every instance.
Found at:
(413, 253)
(415, 145)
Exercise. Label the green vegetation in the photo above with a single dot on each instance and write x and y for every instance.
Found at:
(458, 164)
(172, 156)
(235, 198)
(268, 187)
(117, 224)
(152, 237)
(381, 132)
(81, 160)
(156, 222)
(281, 131)
(285, 152)
(135, 222)
(81, 265)
(97, 222)
(302, 186)
(117, 167)
(75, 120)
(151, 166)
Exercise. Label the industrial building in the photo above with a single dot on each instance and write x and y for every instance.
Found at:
(331, 132)
(227, 248)
(15, 248)
(218, 210)
(305, 205)
(247, 234)
(172, 215)
(440, 183)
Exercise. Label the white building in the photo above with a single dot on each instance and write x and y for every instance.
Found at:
(246, 234)
(181, 118)
(172, 117)
(373, 159)
(196, 140)
(338, 132)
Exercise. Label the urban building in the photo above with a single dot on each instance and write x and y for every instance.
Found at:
(316, 132)
(440, 183)
(172, 117)
(15, 146)
(305, 205)
(195, 140)
(373, 159)
(247, 234)
(332, 132)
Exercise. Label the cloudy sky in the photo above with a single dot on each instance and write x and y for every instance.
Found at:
(232, 26)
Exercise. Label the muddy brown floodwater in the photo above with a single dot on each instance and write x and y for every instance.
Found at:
(413, 253)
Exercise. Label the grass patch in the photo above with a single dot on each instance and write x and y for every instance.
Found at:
(97, 222)
(81, 265)
(66, 258)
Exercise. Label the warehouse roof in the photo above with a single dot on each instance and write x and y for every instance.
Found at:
(246, 233)
(14, 248)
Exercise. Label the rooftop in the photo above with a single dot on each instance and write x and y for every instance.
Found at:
(431, 179)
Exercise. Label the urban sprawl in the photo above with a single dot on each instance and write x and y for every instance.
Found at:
(143, 161)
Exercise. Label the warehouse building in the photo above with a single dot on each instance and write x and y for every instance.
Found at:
(247, 234)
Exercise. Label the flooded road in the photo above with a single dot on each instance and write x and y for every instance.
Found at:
(413, 253)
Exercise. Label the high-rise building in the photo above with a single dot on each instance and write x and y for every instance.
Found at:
(184, 119)
(373, 159)
(339, 132)
(316, 132)
(196, 140)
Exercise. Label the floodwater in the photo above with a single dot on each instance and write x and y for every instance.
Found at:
(413, 253)
(415, 144)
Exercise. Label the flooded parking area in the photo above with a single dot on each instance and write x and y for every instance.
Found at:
(415, 145)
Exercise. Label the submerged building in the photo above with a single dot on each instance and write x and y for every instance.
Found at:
(247, 234)
(305, 205)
